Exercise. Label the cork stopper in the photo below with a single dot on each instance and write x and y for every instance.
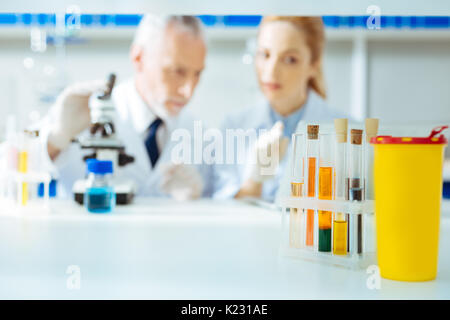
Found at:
(340, 126)
(32, 133)
(371, 128)
(356, 136)
(313, 131)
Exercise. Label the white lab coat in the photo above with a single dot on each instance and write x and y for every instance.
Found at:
(229, 178)
(69, 166)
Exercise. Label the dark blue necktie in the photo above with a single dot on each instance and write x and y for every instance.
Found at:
(150, 141)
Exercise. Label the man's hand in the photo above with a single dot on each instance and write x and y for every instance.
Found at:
(182, 182)
(70, 114)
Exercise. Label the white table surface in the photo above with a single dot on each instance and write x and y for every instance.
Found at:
(156, 249)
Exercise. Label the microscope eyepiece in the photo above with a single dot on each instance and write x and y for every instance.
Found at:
(109, 87)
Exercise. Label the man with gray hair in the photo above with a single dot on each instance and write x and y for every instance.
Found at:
(168, 57)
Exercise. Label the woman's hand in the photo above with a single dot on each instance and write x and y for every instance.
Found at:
(267, 153)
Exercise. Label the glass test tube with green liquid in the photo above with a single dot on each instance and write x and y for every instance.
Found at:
(326, 174)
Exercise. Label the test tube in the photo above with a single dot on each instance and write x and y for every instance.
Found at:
(326, 173)
(23, 168)
(297, 190)
(371, 131)
(355, 188)
(368, 221)
(34, 164)
(340, 222)
(11, 155)
(312, 153)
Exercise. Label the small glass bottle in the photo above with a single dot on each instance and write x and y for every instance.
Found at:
(99, 196)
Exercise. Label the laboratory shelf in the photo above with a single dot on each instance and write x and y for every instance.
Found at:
(132, 20)
(238, 34)
(232, 7)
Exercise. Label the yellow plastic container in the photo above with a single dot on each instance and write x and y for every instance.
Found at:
(408, 191)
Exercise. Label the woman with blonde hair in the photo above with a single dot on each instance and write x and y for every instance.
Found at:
(289, 70)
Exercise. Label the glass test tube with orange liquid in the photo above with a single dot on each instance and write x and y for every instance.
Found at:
(312, 153)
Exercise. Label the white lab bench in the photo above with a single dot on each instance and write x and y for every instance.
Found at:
(158, 249)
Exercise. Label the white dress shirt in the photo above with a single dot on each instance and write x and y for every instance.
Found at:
(142, 117)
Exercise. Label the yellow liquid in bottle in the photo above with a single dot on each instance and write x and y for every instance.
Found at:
(294, 217)
(24, 199)
(340, 237)
(23, 161)
(23, 168)
(296, 189)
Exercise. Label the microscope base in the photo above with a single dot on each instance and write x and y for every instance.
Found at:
(125, 192)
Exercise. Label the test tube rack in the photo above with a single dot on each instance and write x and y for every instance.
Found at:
(350, 260)
(13, 206)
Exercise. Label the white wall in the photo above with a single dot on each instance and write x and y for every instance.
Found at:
(408, 79)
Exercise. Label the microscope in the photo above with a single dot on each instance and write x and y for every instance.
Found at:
(105, 145)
